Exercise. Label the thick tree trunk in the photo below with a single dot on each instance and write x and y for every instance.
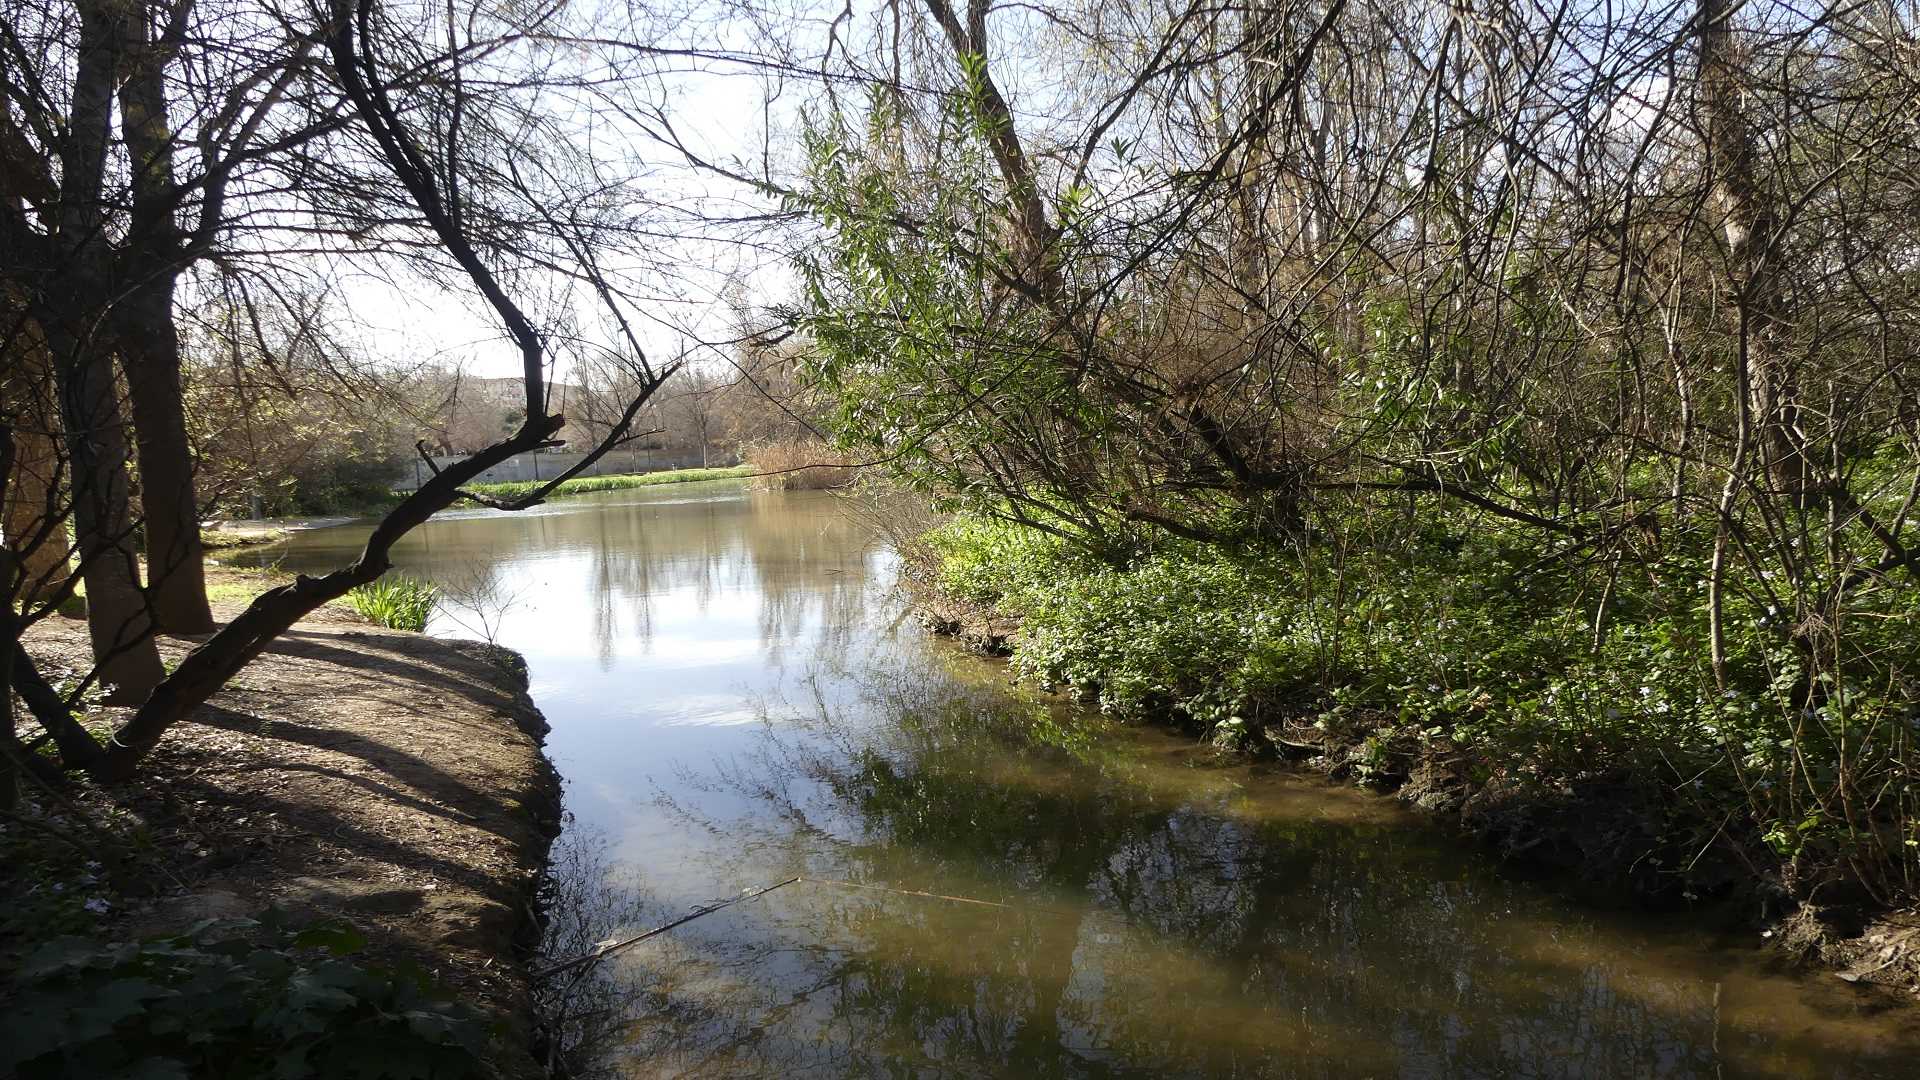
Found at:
(149, 346)
(150, 354)
(117, 617)
(36, 537)
(67, 307)
(149, 343)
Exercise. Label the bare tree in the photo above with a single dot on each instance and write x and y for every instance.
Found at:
(446, 168)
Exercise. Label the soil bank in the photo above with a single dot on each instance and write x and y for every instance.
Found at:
(389, 779)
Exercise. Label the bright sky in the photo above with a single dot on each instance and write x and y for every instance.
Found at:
(720, 110)
(726, 111)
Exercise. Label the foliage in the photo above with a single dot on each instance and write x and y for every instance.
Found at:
(1599, 459)
(231, 999)
(959, 400)
(299, 451)
(396, 602)
(1463, 640)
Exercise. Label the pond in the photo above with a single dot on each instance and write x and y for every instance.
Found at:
(738, 697)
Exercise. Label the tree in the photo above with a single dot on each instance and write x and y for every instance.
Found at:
(445, 169)
(1636, 295)
(96, 95)
(33, 528)
(286, 418)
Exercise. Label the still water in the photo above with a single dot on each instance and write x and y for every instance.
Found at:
(737, 697)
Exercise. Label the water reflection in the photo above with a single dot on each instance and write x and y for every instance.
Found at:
(734, 702)
(1198, 920)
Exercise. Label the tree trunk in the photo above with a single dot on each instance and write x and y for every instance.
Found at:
(66, 306)
(150, 354)
(117, 617)
(149, 343)
(36, 537)
(1750, 228)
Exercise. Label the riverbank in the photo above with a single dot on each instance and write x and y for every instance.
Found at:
(587, 485)
(222, 535)
(1209, 647)
(390, 782)
(240, 532)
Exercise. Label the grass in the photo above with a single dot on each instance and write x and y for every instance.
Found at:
(585, 485)
(397, 602)
(240, 584)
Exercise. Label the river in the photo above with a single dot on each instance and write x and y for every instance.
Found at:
(737, 698)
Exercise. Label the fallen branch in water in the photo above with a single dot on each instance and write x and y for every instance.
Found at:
(608, 948)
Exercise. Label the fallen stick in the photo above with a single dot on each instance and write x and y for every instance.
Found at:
(608, 948)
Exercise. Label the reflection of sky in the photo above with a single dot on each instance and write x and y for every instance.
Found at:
(733, 703)
(657, 624)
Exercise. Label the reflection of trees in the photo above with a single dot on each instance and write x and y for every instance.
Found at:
(1211, 928)
(1192, 926)
(804, 560)
(811, 562)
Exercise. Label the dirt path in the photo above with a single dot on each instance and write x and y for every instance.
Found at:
(388, 778)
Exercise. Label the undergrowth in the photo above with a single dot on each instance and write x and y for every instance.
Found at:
(233, 998)
(1466, 644)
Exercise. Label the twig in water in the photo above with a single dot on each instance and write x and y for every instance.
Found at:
(609, 948)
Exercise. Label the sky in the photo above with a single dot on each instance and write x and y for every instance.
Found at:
(732, 111)
(721, 111)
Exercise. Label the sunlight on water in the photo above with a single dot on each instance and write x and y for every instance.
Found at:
(736, 699)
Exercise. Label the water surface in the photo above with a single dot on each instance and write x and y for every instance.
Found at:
(737, 698)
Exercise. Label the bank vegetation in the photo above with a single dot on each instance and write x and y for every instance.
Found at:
(1528, 390)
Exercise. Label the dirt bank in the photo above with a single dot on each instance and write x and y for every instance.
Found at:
(390, 779)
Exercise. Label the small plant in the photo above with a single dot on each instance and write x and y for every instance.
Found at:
(397, 603)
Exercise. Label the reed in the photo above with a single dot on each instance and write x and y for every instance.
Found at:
(397, 602)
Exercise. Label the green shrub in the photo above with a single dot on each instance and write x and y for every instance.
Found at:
(1457, 637)
(982, 560)
(1462, 635)
(212, 1003)
(397, 602)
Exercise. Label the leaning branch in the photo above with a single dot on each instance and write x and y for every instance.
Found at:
(208, 668)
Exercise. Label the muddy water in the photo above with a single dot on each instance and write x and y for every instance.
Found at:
(737, 699)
